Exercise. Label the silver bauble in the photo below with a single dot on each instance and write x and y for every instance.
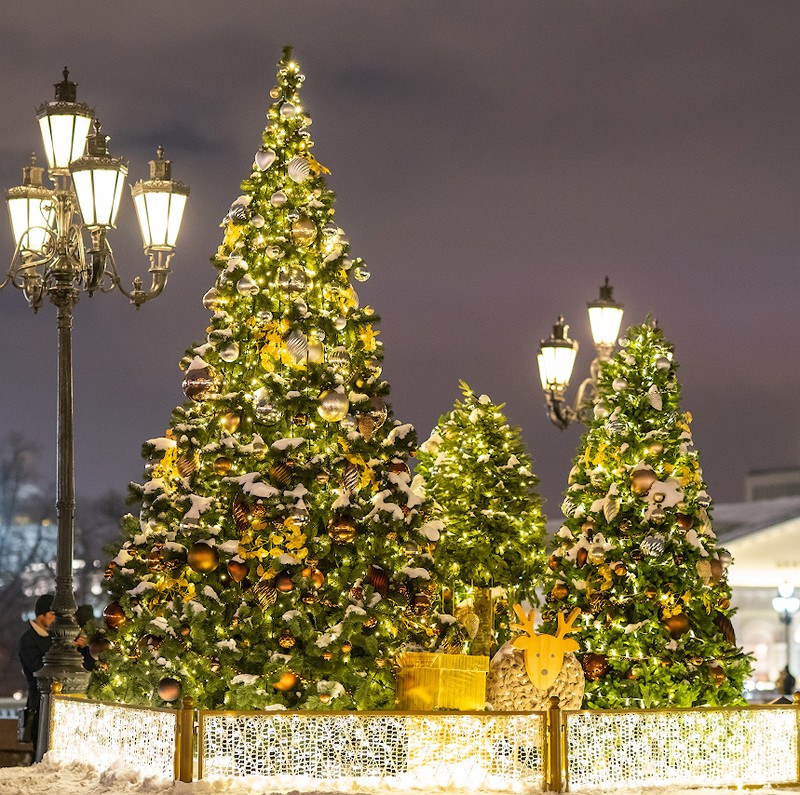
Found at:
(288, 110)
(339, 323)
(292, 280)
(297, 345)
(212, 300)
(299, 515)
(301, 306)
(257, 221)
(653, 545)
(274, 253)
(278, 199)
(229, 351)
(663, 363)
(303, 231)
(619, 384)
(264, 316)
(333, 405)
(378, 411)
(339, 356)
(262, 405)
(264, 158)
(349, 423)
(601, 411)
(615, 426)
(247, 285)
(298, 169)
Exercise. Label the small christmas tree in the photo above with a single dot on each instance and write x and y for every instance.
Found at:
(282, 553)
(479, 474)
(637, 552)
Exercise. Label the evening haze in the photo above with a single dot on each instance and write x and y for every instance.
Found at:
(493, 162)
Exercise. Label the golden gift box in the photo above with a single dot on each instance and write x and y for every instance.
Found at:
(428, 681)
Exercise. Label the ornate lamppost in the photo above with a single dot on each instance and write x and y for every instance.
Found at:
(62, 250)
(786, 605)
(557, 358)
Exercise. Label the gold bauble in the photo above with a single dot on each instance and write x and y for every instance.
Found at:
(114, 615)
(581, 557)
(99, 646)
(342, 529)
(333, 405)
(230, 421)
(684, 520)
(315, 575)
(265, 593)
(594, 665)
(222, 465)
(642, 479)
(718, 676)
(559, 591)
(676, 625)
(169, 689)
(370, 623)
(347, 647)
(202, 558)
(237, 569)
(553, 562)
(325, 697)
(597, 555)
(378, 578)
(286, 682)
(326, 655)
(655, 448)
(303, 232)
(287, 640)
(283, 582)
(620, 570)
(421, 604)
(187, 464)
(280, 474)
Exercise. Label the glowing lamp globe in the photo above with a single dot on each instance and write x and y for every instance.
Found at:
(159, 202)
(605, 317)
(98, 179)
(64, 125)
(31, 210)
(557, 358)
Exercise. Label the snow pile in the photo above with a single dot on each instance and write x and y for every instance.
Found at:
(48, 778)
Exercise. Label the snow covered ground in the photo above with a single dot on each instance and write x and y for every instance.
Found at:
(51, 779)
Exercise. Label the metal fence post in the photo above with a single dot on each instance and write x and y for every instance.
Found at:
(554, 762)
(796, 703)
(184, 741)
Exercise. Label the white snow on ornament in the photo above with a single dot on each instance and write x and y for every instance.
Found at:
(285, 444)
(174, 546)
(672, 645)
(525, 472)
(572, 552)
(230, 643)
(290, 614)
(197, 364)
(141, 587)
(513, 461)
(475, 415)
(398, 432)
(287, 559)
(446, 618)
(415, 573)
(199, 506)
(564, 532)
(299, 491)
(482, 459)
(210, 593)
(357, 397)
(123, 556)
(244, 679)
(230, 547)
(261, 490)
(414, 491)
(325, 640)
(161, 443)
(484, 400)
(152, 486)
(432, 530)
(354, 610)
(197, 607)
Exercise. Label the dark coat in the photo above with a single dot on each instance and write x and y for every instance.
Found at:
(31, 650)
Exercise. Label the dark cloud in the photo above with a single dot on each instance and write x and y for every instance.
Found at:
(493, 162)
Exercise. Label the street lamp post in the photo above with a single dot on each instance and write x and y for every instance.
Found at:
(557, 358)
(61, 250)
(786, 605)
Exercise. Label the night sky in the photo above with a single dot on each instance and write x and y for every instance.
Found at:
(493, 162)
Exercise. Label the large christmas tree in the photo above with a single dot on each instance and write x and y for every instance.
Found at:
(282, 553)
(637, 552)
(480, 476)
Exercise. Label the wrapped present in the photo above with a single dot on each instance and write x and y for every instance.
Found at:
(441, 681)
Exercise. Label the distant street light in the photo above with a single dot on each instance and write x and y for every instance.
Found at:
(557, 358)
(786, 605)
(60, 251)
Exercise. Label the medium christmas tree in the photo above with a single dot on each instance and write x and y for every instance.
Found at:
(282, 552)
(479, 474)
(637, 552)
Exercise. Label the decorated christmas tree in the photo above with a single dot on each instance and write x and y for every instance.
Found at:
(637, 553)
(480, 477)
(282, 554)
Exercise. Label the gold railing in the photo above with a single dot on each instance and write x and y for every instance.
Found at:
(503, 752)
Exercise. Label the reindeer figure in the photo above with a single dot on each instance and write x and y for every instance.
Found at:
(544, 654)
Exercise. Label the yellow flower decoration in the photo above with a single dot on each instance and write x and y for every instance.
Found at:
(369, 338)
(316, 167)
(232, 234)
